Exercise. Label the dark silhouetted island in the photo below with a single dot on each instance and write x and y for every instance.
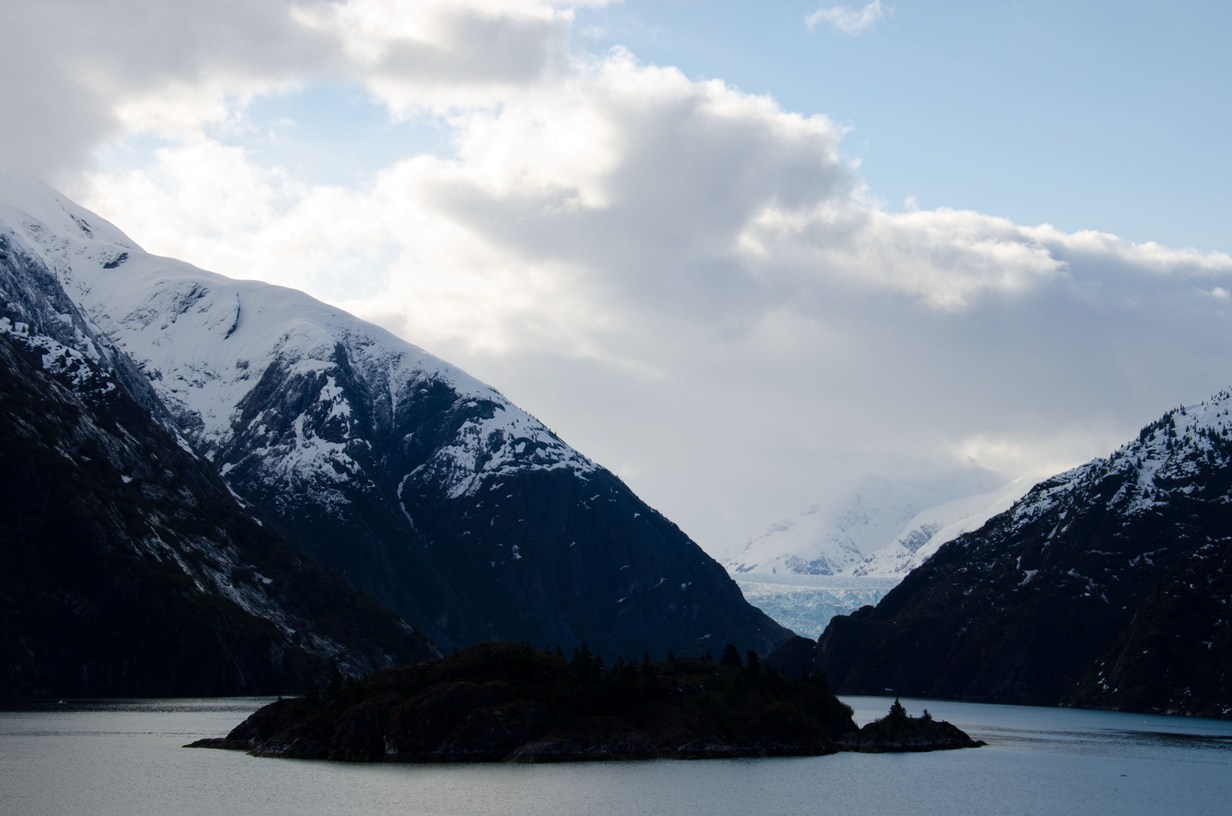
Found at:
(897, 732)
(510, 702)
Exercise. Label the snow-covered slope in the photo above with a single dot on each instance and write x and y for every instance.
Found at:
(833, 558)
(931, 528)
(879, 516)
(426, 487)
(130, 568)
(824, 539)
(205, 341)
(1109, 585)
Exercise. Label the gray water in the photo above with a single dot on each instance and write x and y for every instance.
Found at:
(124, 757)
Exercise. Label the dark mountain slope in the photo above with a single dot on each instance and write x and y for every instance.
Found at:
(1105, 586)
(127, 566)
(427, 489)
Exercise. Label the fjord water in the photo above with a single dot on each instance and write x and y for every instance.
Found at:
(125, 757)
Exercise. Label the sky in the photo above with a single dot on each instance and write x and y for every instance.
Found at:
(741, 253)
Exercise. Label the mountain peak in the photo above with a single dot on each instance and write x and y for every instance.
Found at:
(1104, 586)
(1171, 454)
(427, 488)
(873, 527)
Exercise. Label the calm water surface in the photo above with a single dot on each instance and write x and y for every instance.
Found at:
(124, 757)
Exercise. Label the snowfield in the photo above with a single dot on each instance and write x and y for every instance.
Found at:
(205, 340)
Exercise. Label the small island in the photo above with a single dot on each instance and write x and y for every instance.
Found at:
(897, 732)
(512, 703)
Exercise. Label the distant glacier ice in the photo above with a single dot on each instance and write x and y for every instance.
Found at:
(806, 603)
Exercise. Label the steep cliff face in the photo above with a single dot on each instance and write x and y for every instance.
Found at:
(129, 568)
(1175, 655)
(1104, 586)
(427, 489)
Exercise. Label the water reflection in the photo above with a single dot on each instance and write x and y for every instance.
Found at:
(1213, 742)
(124, 757)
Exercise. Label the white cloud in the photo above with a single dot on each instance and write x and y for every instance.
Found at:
(847, 20)
(448, 54)
(90, 71)
(679, 277)
(93, 71)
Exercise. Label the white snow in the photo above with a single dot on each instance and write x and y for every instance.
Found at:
(880, 528)
(1164, 459)
(935, 526)
(205, 341)
(64, 361)
(835, 556)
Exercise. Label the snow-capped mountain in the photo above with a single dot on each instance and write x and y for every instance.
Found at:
(1109, 585)
(887, 521)
(129, 566)
(933, 527)
(833, 558)
(824, 539)
(427, 488)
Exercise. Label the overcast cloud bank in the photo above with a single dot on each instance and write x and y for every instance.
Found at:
(689, 283)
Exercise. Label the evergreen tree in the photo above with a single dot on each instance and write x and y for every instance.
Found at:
(583, 663)
(897, 712)
(752, 664)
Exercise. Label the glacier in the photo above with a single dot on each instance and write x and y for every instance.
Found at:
(833, 557)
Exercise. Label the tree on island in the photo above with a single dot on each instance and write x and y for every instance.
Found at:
(897, 712)
(503, 702)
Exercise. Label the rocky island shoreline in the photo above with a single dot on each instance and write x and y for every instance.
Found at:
(512, 703)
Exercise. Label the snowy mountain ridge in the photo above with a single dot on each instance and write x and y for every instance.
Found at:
(429, 490)
(833, 558)
(1168, 455)
(874, 533)
(202, 340)
(1108, 585)
(126, 552)
(88, 362)
(881, 528)
(935, 526)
